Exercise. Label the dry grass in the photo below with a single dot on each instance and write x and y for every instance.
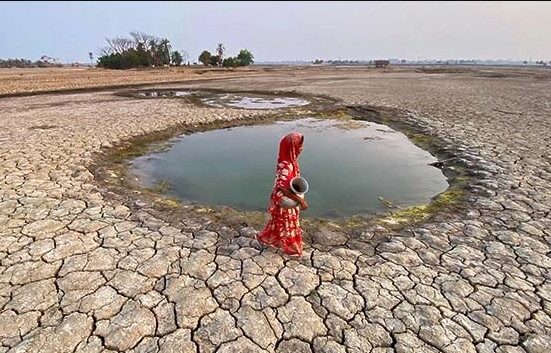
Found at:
(23, 81)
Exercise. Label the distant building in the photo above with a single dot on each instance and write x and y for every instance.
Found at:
(381, 63)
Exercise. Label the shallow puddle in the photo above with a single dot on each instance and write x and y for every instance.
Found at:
(253, 102)
(164, 94)
(353, 167)
(232, 100)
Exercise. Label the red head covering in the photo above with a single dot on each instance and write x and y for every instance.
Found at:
(289, 149)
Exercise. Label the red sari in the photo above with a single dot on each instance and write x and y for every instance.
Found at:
(283, 230)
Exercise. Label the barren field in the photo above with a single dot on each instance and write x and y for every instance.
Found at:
(24, 81)
(86, 267)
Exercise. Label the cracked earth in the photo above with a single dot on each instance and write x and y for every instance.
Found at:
(80, 271)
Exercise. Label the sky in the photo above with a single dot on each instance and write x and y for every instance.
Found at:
(279, 31)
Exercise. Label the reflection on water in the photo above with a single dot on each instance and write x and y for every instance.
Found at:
(350, 165)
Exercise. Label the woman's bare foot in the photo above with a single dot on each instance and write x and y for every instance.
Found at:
(256, 238)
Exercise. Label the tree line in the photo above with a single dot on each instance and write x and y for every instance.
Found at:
(138, 50)
(244, 58)
(45, 61)
(145, 50)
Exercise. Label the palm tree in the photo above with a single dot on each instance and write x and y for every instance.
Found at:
(165, 48)
(220, 49)
(91, 55)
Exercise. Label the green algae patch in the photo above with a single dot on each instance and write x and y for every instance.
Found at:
(161, 187)
(448, 201)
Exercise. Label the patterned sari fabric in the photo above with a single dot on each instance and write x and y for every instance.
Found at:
(283, 230)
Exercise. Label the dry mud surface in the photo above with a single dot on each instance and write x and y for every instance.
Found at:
(81, 271)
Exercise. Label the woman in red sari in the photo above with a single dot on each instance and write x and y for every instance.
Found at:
(283, 230)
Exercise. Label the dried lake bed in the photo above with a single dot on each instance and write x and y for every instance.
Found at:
(87, 266)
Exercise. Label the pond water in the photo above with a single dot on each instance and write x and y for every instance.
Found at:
(253, 102)
(164, 94)
(233, 100)
(353, 167)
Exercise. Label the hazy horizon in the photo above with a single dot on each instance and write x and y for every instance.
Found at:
(285, 31)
